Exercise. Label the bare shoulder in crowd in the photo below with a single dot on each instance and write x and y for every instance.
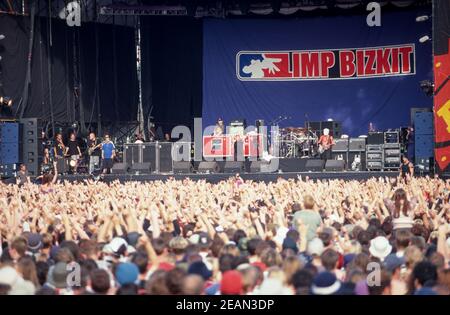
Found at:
(296, 236)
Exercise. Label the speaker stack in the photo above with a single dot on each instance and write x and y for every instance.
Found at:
(9, 148)
(335, 127)
(340, 151)
(357, 154)
(32, 150)
(424, 140)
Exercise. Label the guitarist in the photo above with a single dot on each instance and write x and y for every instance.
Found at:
(325, 143)
(94, 152)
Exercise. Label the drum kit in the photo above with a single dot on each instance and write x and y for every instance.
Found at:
(294, 142)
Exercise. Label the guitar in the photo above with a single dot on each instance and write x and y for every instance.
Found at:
(323, 148)
(92, 149)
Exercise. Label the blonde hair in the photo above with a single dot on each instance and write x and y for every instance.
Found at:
(308, 202)
(413, 255)
(277, 273)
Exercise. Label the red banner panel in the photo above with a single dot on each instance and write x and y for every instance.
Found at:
(442, 109)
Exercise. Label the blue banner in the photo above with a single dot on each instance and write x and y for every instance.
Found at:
(316, 69)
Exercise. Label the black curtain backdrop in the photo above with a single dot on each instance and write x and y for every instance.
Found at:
(172, 69)
(87, 75)
(14, 50)
(93, 69)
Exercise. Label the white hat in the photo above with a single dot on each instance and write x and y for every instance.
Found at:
(8, 276)
(315, 247)
(380, 247)
(273, 286)
(194, 238)
(19, 286)
(115, 246)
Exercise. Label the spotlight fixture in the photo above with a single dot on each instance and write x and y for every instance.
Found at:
(427, 87)
(2, 36)
(422, 18)
(424, 39)
(5, 100)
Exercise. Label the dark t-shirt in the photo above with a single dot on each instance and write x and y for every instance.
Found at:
(22, 176)
(73, 150)
(93, 143)
(59, 150)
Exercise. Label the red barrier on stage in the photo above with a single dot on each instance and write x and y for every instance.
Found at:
(223, 146)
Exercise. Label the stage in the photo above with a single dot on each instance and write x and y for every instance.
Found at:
(215, 178)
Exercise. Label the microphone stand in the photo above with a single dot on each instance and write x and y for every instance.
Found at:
(308, 134)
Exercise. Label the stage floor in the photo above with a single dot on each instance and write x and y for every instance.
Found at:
(214, 178)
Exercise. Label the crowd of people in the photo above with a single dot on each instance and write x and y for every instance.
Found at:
(381, 236)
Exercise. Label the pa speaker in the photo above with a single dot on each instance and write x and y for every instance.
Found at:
(259, 167)
(335, 165)
(182, 167)
(119, 168)
(292, 165)
(208, 167)
(314, 165)
(32, 149)
(141, 168)
(233, 167)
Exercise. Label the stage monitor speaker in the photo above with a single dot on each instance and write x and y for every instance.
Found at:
(208, 167)
(340, 156)
(357, 145)
(182, 167)
(375, 138)
(140, 168)
(233, 167)
(260, 167)
(292, 165)
(119, 168)
(335, 165)
(314, 165)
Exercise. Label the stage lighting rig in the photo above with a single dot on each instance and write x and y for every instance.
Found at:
(427, 87)
(424, 39)
(6, 101)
